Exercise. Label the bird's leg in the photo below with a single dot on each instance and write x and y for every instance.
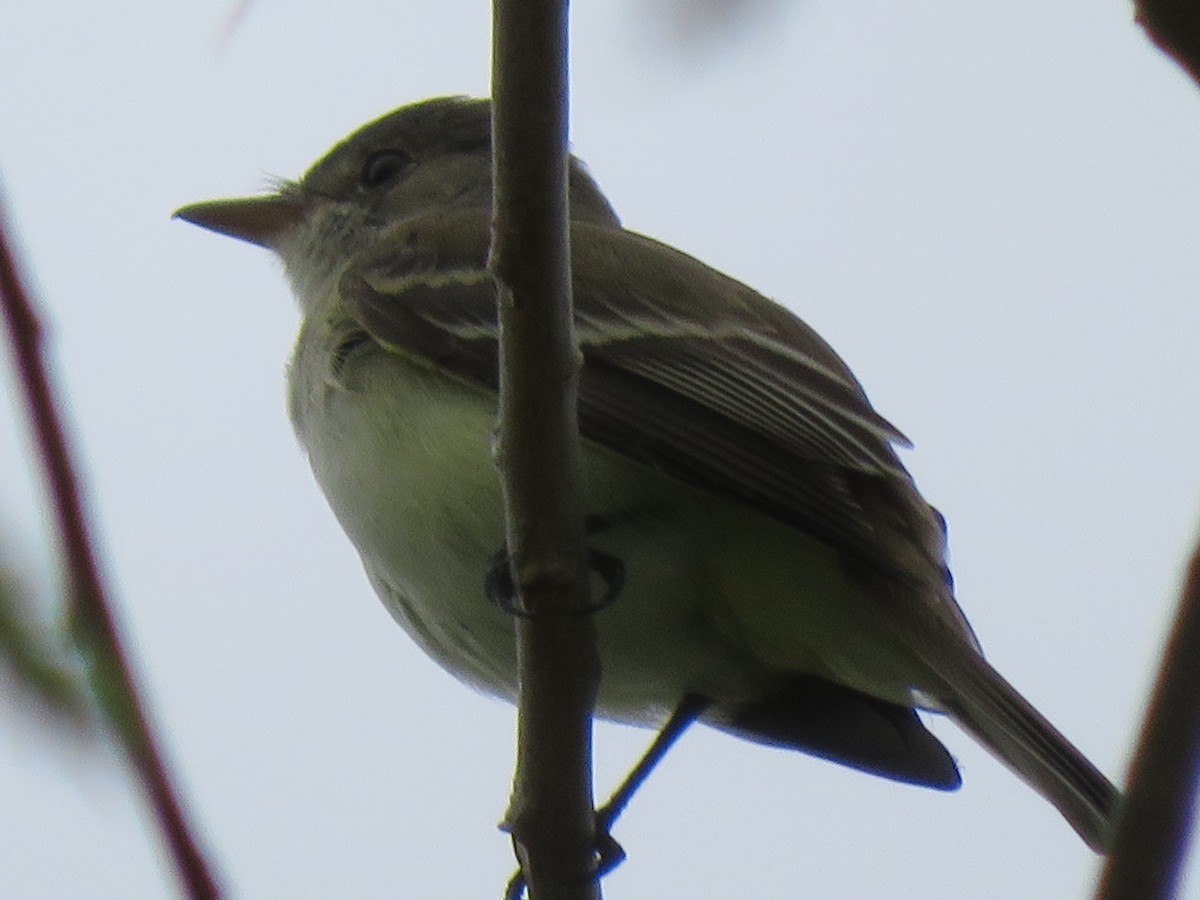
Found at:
(688, 710)
(609, 853)
(500, 590)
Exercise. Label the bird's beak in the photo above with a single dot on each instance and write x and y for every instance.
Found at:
(259, 220)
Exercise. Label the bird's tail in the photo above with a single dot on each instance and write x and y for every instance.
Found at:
(990, 709)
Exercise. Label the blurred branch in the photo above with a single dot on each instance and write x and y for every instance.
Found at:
(708, 25)
(1155, 818)
(92, 623)
(550, 815)
(1174, 25)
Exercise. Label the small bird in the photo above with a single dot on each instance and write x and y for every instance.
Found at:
(782, 578)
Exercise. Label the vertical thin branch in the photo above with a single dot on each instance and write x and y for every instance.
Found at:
(92, 623)
(550, 815)
(1155, 818)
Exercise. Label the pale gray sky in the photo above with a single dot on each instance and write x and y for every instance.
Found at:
(991, 210)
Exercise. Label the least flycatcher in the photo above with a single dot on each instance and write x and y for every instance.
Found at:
(783, 578)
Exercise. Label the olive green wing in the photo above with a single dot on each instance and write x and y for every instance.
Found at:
(685, 370)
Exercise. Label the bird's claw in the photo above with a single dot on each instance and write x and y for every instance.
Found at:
(609, 855)
(499, 588)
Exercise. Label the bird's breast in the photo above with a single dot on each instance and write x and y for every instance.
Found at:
(717, 599)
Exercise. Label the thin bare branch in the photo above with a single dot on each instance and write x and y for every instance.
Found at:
(89, 610)
(550, 815)
(1155, 820)
(1156, 815)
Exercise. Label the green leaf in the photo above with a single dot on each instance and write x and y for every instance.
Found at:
(36, 661)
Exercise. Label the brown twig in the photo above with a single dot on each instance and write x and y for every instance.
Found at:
(550, 815)
(92, 623)
(1174, 25)
(1156, 816)
(1155, 819)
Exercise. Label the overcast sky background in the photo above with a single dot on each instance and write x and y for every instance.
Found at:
(991, 210)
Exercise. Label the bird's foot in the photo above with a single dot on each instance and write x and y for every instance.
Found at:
(499, 588)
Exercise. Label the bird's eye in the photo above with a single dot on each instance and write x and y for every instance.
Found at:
(382, 167)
